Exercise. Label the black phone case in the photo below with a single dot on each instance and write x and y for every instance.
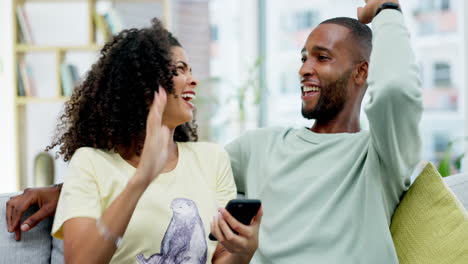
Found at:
(243, 210)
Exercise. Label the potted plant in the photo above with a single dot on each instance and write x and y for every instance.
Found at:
(447, 163)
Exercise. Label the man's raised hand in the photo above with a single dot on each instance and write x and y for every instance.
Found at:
(367, 12)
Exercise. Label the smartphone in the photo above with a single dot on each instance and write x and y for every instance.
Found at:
(243, 210)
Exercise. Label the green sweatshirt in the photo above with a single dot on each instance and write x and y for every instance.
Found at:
(329, 198)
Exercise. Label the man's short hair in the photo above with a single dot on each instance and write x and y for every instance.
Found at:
(360, 32)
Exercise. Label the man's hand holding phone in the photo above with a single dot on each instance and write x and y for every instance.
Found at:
(236, 237)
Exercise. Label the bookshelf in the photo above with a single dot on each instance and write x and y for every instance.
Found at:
(31, 48)
(23, 100)
(24, 45)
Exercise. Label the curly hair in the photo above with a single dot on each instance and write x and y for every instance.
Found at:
(109, 109)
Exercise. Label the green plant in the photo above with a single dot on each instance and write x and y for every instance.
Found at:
(446, 164)
(251, 83)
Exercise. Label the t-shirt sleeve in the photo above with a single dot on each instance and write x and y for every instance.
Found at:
(80, 194)
(225, 185)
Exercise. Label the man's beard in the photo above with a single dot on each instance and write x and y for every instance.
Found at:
(332, 99)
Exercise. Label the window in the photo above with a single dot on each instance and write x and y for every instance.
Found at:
(214, 33)
(427, 28)
(304, 20)
(442, 75)
(427, 5)
(445, 5)
(440, 142)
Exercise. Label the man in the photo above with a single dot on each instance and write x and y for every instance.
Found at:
(329, 191)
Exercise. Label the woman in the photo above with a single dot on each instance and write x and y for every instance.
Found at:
(138, 191)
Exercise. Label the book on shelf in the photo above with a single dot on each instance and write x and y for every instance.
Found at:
(20, 34)
(102, 26)
(21, 91)
(26, 86)
(75, 75)
(25, 32)
(70, 78)
(114, 21)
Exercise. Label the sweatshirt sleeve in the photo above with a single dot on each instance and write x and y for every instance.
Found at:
(395, 105)
(239, 152)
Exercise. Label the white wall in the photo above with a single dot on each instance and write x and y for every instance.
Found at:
(7, 124)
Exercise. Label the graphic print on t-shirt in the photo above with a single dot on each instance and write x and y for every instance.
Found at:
(184, 241)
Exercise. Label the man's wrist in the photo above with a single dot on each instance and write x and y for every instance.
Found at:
(388, 5)
(242, 258)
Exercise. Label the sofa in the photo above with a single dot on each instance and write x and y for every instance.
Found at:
(37, 246)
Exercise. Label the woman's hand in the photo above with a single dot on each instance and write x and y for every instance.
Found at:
(155, 149)
(242, 245)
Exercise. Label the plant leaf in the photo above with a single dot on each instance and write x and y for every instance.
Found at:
(444, 164)
(458, 161)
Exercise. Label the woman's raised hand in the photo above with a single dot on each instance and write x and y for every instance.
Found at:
(155, 149)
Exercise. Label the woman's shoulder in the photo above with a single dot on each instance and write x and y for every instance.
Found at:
(89, 154)
(89, 151)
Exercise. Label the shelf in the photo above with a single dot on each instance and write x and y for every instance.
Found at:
(32, 48)
(23, 100)
(41, 1)
(65, 1)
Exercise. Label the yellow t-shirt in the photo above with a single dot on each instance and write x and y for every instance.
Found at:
(172, 218)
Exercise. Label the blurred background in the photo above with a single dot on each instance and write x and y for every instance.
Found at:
(245, 54)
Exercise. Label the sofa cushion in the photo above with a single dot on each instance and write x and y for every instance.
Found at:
(57, 251)
(430, 225)
(459, 185)
(35, 245)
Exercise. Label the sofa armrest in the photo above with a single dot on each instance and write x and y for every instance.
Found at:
(35, 245)
(459, 185)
